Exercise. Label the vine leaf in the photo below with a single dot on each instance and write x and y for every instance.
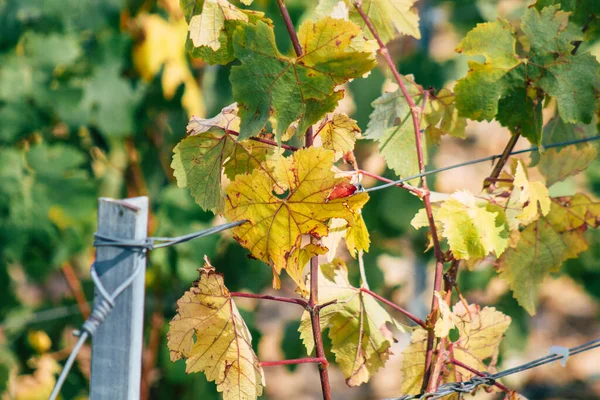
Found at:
(583, 13)
(389, 17)
(356, 236)
(390, 124)
(446, 320)
(557, 164)
(339, 133)
(544, 244)
(477, 94)
(212, 24)
(518, 84)
(360, 337)
(206, 28)
(209, 332)
(199, 159)
(442, 117)
(472, 228)
(533, 196)
(480, 332)
(283, 206)
(268, 84)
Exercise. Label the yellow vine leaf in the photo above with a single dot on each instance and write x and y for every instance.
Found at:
(209, 332)
(413, 362)
(390, 18)
(480, 333)
(472, 228)
(543, 245)
(206, 28)
(296, 199)
(164, 45)
(339, 133)
(446, 320)
(532, 195)
(356, 236)
(360, 337)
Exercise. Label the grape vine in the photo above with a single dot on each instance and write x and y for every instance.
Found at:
(299, 204)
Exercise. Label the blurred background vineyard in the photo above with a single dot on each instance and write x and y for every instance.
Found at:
(93, 97)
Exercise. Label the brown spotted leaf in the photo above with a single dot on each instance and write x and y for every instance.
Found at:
(282, 206)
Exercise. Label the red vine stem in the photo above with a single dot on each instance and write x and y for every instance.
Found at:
(315, 360)
(474, 371)
(265, 141)
(396, 307)
(439, 256)
(291, 300)
(313, 300)
(404, 185)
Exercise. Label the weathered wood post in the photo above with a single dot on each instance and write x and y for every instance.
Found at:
(117, 344)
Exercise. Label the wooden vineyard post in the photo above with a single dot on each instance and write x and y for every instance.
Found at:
(117, 344)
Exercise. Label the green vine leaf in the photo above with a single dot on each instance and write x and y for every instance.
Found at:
(585, 13)
(390, 124)
(199, 159)
(544, 244)
(269, 85)
(512, 88)
(209, 332)
(360, 337)
(557, 164)
(295, 200)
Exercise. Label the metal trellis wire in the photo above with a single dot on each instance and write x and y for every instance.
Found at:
(473, 383)
(103, 307)
(480, 160)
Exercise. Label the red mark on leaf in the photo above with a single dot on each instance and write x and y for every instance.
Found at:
(342, 190)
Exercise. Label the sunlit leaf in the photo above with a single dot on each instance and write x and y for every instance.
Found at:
(391, 125)
(209, 332)
(357, 325)
(472, 228)
(289, 203)
(480, 333)
(390, 18)
(533, 196)
(339, 133)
